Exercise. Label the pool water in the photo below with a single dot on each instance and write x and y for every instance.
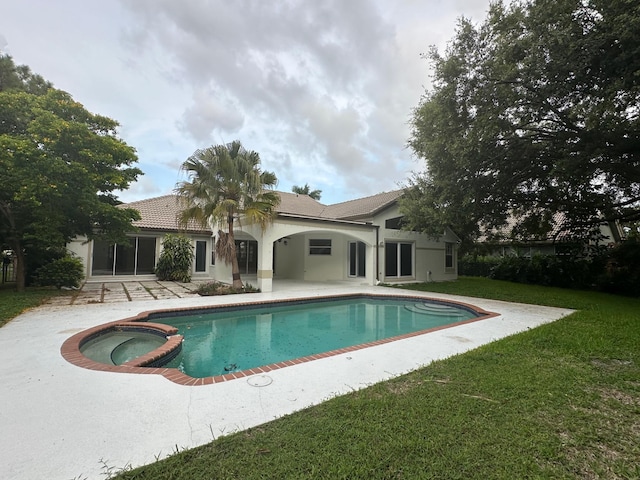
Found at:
(216, 343)
(116, 348)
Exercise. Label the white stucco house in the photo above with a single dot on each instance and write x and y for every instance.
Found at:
(355, 241)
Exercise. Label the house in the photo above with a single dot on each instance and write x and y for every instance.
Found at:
(355, 241)
(560, 240)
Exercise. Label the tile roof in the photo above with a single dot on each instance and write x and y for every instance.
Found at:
(362, 208)
(299, 205)
(561, 230)
(160, 213)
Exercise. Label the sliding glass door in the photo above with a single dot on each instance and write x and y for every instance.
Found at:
(398, 259)
(135, 257)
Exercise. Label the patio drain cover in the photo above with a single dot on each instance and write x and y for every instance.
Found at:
(259, 381)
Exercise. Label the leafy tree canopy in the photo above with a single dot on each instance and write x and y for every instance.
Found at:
(306, 190)
(59, 167)
(536, 111)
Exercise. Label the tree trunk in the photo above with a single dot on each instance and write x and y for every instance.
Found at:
(16, 245)
(235, 268)
(21, 277)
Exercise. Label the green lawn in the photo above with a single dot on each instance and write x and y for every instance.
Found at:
(559, 401)
(13, 303)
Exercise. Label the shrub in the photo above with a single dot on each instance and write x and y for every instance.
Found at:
(622, 271)
(477, 266)
(511, 268)
(550, 270)
(37, 257)
(219, 288)
(175, 260)
(67, 271)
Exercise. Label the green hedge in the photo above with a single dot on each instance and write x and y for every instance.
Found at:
(475, 266)
(616, 270)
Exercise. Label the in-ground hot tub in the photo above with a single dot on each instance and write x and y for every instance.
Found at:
(118, 346)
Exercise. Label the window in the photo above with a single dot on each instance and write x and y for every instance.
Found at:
(320, 246)
(357, 259)
(394, 223)
(201, 255)
(448, 255)
(247, 254)
(398, 259)
(135, 257)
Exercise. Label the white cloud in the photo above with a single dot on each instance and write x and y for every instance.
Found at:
(322, 90)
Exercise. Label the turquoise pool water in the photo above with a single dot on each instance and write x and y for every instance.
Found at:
(118, 347)
(218, 342)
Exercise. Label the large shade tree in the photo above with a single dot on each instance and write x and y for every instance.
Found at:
(533, 112)
(60, 167)
(226, 185)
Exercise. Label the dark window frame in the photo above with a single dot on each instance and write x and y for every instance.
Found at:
(320, 246)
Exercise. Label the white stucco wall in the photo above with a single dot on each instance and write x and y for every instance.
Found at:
(80, 247)
(429, 253)
(325, 267)
(288, 263)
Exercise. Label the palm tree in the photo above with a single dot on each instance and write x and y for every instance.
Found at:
(225, 183)
(306, 190)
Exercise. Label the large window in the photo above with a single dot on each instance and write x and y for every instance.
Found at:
(357, 259)
(398, 259)
(201, 255)
(135, 257)
(247, 254)
(448, 255)
(320, 246)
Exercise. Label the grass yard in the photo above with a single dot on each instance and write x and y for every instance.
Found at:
(561, 401)
(13, 303)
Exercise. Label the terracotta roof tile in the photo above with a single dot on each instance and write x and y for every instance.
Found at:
(362, 207)
(160, 213)
(302, 205)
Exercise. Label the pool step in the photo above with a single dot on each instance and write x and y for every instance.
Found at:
(134, 347)
(116, 348)
(434, 309)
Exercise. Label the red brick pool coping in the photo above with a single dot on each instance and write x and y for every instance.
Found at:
(71, 348)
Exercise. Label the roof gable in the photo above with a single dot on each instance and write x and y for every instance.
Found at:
(362, 207)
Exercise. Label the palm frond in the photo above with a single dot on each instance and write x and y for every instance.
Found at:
(225, 247)
(224, 183)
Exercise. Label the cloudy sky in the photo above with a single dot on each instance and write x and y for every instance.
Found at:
(321, 89)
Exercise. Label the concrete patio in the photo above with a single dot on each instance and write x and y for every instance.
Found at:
(59, 421)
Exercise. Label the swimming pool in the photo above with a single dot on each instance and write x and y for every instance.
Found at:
(218, 342)
(232, 341)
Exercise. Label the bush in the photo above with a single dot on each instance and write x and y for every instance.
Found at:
(67, 271)
(616, 270)
(175, 260)
(550, 270)
(477, 266)
(219, 288)
(37, 257)
(622, 271)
